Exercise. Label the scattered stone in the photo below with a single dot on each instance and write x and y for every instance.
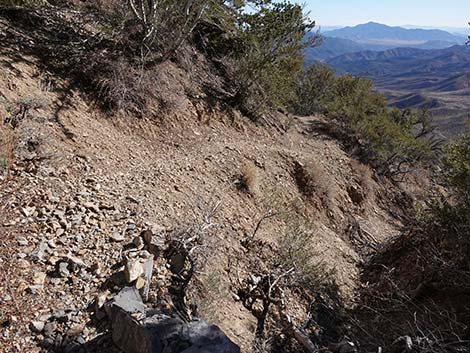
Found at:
(39, 278)
(22, 241)
(132, 199)
(117, 237)
(139, 265)
(76, 262)
(22, 263)
(28, 211)
(49, 329)
(129, 300)
(41, 251)
(106, 206)
(62, 270)
(37, 326)
(75, 330)
(92, 207)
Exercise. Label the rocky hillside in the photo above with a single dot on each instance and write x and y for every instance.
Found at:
(194, 205)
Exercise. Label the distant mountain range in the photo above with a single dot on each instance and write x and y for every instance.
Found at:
(376, 33)
(379, 37)
(412, 67)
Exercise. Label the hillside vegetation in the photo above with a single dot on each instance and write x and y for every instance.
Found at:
(409, 72)
(178, 150)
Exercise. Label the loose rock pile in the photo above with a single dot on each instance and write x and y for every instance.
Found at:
(81, 244)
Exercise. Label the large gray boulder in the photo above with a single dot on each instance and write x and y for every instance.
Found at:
(158, 333)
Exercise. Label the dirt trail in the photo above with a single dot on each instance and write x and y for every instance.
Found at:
(70, 156)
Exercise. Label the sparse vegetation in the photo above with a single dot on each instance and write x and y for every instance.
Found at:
(296, 250)
(248, 180)
(448, 222)
(281, 276)
(293, 271)
(161, 27)
(8, 140)
(422, 298)
(270, 56)
(383, 136)
(11, 116)
(364, 175)
(313, 181)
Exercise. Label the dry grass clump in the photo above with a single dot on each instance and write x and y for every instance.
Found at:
(126, 88)
(11, 116)
(8, 139)
(312, 180)
(249, 178)
(363, 174)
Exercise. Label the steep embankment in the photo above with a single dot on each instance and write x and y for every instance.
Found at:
(83, 186)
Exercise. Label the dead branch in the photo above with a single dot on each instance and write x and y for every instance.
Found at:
(248, 240)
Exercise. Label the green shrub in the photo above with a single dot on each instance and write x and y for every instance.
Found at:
(311, 89)
(450, 215)
(273, 38)
(261, 47)
(457, 168)
(384, 135)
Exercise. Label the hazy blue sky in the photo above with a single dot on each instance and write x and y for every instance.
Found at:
(453, 13)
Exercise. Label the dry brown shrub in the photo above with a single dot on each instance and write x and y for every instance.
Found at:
(249, 178)
(8, 139)
(312, 180)
(126, 87)
(364, 174)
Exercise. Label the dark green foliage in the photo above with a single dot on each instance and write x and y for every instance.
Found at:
(273, 38)
(457, 168)
(384, 135)
(262, 47)
(312, 88)
(450, 215)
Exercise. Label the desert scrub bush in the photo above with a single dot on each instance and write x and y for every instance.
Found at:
(249, 178)
(213, 290)
(296, 250)
(273, 38)
(151, 29)
(384, 137)
(456, 170)
(11, 116)
(8, 140)
(364, 176)
(449, 216)
(125, 88)
(262, 47)
(311, 88)
(312, 180)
